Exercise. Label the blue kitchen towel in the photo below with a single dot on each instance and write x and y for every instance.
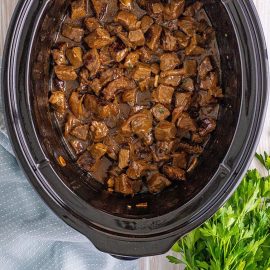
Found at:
(32, 237)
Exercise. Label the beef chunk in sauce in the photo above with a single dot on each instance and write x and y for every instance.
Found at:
(78, 9)
(136, 87)
(157, 182)
(72, 32)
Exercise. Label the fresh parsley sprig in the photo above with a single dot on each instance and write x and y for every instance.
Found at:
(237, 237)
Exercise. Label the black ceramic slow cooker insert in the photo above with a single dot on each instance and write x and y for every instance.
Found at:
(105, 218)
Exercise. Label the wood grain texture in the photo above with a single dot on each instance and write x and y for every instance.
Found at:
(263, 7)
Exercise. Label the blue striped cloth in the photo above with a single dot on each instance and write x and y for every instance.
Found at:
(32, 237)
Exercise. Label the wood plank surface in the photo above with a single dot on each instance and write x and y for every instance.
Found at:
(263, 7)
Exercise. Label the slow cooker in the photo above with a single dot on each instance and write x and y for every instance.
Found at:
(105, 218)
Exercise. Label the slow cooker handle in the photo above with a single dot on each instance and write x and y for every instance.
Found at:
(130, 248)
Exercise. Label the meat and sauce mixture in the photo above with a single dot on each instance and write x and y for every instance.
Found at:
(136, 90)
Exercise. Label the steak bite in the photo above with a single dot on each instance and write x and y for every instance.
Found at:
(169, 61)
(78, 9)
(65, 73)
(157, 183)
(72, 32)
(163, 94)
(165, 131)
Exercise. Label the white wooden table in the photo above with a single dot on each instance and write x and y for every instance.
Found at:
(263, 6)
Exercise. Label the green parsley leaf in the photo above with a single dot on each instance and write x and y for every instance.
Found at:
(237, 237)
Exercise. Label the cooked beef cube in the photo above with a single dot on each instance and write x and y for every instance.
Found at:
(84, 76)
(173, 72)
(205, 98)
(119, 85)
(140, 124)
(163, 94)
(193, 48)
(128, 20)
(190, 68)
(157, 182)
(91, 103)
(162, 150)
(183, 100)
(205, 67)
(110, 74)
(169, 61)
(172, 80)
(191, 149)
(137, 37)
(70, 124)
(96, 86)
(59, 54)
(123, 36)
(129, 96)
(207, 126)
(58, 101)
(78, 146)
(174, 173)
(80, 132)
(118, 51)
(174, 9)
(86, 161)
(92, 61)
(125, 185)
(113, 147)
(188, 25)
(120, 55)
(146, 84)
(109, 111)
(105, 56)
(105, 9)
(160, 112)
(138, 168)
(75, 56)
(123, 158)
(146, 55)
(186, 123)
(99, 130)
(92, 24)
(171, 25)
(168, 41)
(142, 71)
(98, 150)
(146, 23)
(65, 73)
(165, 131)
(74, 33)
(210, 81)
(153, 36)
(193, 9)
(188, 85)
(76, 104)
(155, 9)
(99, 38)
(78, 9)
(132, 59)
(182, 39)
(180, 160)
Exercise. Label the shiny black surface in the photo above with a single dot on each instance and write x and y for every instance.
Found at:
(104, 218)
